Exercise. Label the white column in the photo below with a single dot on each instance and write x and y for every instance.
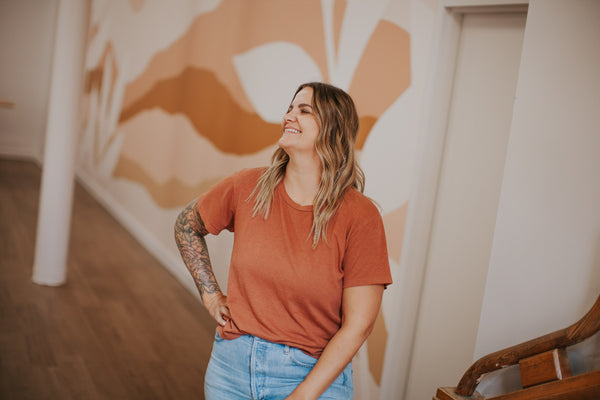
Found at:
(56, 194)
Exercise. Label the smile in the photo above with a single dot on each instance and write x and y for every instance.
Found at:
(291, 130)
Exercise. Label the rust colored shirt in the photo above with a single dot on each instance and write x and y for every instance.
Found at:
(279, 287)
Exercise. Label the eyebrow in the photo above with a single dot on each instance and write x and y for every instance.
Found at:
(304, 105)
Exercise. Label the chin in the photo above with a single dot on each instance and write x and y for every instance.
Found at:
(283, 143)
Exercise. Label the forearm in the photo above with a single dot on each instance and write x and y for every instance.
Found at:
(335, 357)
(360, 306)
(189, 236)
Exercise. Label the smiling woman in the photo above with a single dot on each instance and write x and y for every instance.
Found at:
(309, 263)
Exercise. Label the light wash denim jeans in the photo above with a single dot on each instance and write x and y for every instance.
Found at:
(253, 368)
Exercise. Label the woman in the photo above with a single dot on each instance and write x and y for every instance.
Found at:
(309, 261)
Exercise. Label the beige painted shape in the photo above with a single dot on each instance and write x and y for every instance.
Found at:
(137, 5)
(339, 9)
(173, 149)
(394, 223)
(376, 345)
(94, 83)
(171, 194)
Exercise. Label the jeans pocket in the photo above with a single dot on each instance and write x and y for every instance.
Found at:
(302, 359)
(346, 376)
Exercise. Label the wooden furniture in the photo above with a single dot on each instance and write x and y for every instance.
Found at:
(544, 367)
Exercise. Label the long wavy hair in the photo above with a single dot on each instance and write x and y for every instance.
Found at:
(338, 127)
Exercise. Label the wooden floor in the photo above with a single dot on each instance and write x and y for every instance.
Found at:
(121, 328)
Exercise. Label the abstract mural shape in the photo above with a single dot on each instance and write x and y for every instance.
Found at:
(376, 344)
(137, 5)
(199, 95)
(266, 68)
(102, 80)
(235, 27)
(386, 72)
(167, 195)
(394, 223)
(169, 157)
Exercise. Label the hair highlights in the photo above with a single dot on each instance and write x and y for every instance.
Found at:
(338, 128)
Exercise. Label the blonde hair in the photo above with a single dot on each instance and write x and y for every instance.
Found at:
(338, 127)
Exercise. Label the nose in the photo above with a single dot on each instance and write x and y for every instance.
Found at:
(290, 116)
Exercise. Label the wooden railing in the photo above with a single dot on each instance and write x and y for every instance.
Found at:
(543, 365)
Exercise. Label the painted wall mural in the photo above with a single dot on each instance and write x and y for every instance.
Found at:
(180, 94)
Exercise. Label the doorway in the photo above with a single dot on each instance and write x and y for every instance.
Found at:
(467, 191)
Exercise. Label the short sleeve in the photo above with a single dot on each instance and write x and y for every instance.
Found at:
(217, 206)
(366, 259)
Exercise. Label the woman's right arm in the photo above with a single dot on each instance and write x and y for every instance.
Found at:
(189, 235)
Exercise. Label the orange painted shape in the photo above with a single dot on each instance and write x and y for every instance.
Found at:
(197, 94)
(383, 73)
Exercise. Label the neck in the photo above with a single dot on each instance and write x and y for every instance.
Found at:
(301, 181)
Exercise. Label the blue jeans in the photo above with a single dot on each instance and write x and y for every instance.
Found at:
(253, 368)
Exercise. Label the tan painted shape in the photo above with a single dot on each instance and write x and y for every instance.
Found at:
(383, 73)
(394, 223)
(364, 128)
(339, 9)
(94, 81)
(376, 345)
(171, 194)
(137, 5)
(235, 27)
(92, 32)
(95, 77)
(213, 112)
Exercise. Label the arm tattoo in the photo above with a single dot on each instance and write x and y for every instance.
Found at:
(189, 235)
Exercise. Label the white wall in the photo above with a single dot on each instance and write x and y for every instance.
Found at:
(545, 266)
(544, 272)
(26, 37)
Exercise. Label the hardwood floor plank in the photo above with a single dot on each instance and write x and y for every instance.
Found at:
(121, 327)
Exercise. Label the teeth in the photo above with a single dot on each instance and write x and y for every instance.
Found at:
(291, 130)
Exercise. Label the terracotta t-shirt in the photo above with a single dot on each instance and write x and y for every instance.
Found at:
(279, 287)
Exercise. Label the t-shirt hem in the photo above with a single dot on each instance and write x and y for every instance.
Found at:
(207, 224)
(367, 283)
(228, 335)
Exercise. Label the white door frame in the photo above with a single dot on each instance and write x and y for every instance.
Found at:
(432, 133)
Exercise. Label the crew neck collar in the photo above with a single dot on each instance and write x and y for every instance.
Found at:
(281, 189)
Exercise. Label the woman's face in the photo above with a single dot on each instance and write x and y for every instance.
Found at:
(299, 128)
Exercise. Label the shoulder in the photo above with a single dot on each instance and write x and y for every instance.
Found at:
(356, 204)
(247, 176)
(236, 182)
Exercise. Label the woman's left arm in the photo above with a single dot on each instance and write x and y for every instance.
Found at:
(360, 307)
